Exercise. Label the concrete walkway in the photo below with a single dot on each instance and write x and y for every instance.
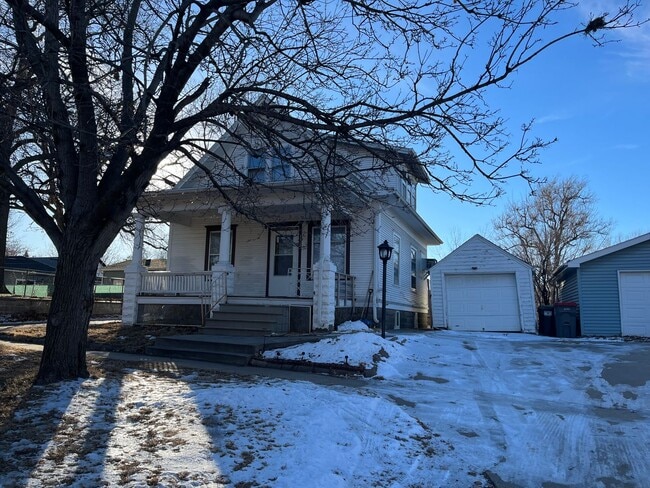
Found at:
(161, 363)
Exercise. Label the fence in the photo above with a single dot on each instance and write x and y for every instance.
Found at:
(38, 284)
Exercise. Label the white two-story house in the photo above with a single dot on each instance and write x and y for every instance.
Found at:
(252, 226)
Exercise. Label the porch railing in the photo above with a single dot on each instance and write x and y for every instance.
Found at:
(344, 290)
(169, 283)
(219, 291)
(344, 286)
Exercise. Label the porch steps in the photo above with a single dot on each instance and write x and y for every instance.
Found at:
(247, 320)
(221, 349)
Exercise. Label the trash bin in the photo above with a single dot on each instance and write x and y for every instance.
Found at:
(566, 319)
(546, 320)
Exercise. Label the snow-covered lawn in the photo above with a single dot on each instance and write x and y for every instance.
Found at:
(443, 409)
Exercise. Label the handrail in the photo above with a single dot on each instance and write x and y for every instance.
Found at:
(344, 290)
(219, 290)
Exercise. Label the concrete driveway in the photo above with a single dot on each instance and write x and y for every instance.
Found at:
(530, 411)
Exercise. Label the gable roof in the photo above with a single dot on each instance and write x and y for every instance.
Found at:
(405, 157)
(575, 263)
(44, 265)
(483, 240)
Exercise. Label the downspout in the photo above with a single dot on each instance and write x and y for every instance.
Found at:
(375, 317)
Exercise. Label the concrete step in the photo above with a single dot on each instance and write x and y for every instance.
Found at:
(200, 355)
(253, 309)
(234, 330)
(236, 349)
(209, 343)
(247, 320)
(254, 316)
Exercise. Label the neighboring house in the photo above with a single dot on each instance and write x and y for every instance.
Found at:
(296, 252)
(611, 288)
(20, 270)
(113, 274)
(481, 287)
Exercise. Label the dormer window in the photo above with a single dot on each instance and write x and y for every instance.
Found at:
(270, 166)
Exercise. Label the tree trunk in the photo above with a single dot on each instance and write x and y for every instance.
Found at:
(4, 231)
(64, 354)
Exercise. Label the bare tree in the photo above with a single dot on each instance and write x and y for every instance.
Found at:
(556, 223)
(124, 84)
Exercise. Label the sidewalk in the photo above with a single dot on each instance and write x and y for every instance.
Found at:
(160, 363)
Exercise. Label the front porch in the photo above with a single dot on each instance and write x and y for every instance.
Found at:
(299, 257)
(194, 298)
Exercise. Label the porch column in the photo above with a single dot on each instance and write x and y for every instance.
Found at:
(224, 244)
(133, 275)
(324, 277)
(223, 265)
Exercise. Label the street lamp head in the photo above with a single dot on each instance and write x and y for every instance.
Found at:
(385, 251)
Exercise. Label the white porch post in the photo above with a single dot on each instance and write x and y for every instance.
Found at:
(223, 265)
(224, 244)
(133, 275)
(324, 277)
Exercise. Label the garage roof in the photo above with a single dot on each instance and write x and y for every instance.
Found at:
(479, 237)
(575, 263)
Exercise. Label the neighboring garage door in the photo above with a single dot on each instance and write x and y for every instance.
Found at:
(482, 302)
(634, 288)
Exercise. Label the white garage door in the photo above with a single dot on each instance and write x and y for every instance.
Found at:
(482, 302)
(634, 288)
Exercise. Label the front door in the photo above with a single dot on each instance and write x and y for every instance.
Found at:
(283, 262)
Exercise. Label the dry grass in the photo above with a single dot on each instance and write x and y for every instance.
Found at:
(19, 364)
(110, 336)
(18, 368)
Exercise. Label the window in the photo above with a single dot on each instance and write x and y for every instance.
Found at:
(396, 253)
(338, 249)
(256, 168)
(283, 255)
(213, 247)
(414, 269)
(269, 166)
(407, 192)
(280, 166)
(214, 243)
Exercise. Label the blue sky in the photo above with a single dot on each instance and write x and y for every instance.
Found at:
(595, 100)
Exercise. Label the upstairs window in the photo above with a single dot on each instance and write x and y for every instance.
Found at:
(407, 192)
(270, 167)
(256, 168)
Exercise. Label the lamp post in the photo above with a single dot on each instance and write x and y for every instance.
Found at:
(385, 253)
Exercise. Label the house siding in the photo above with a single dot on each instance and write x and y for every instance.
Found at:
(569, 287)
(401, 297)
(186, 253)
(362, 255)
(487, 259)
(599, 293)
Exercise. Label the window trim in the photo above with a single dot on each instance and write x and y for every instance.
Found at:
(414, 269)
(397, 251)
(233, 240)
(266, 164)
(310, 242)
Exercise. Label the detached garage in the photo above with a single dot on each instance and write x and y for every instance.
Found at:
(611, 288)
(481, 287)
